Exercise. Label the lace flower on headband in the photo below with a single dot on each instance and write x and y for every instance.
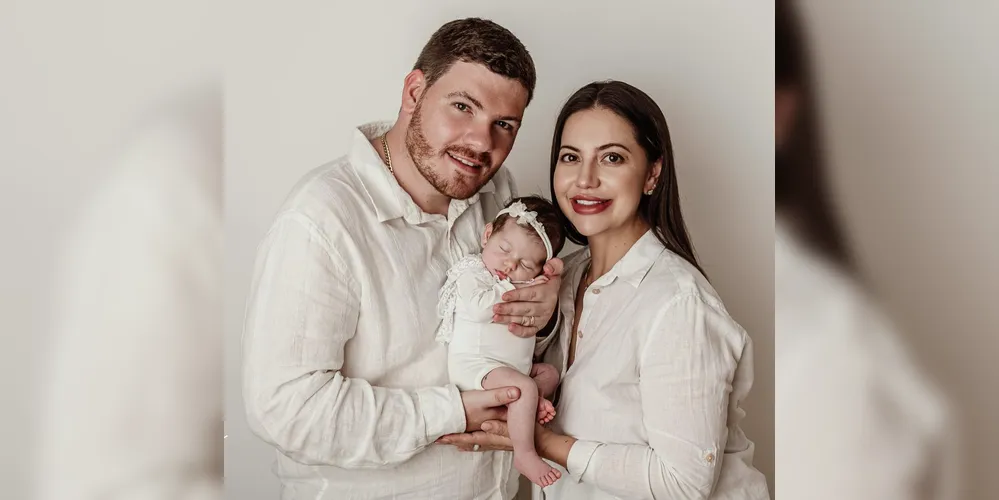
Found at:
(527, 217)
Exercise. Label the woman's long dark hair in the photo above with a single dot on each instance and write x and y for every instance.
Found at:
(661, 210)
(800, 182)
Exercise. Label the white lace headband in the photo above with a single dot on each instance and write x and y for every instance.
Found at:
(526, 217)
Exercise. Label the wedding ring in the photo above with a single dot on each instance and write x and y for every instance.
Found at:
(475, 448)
(528, 320)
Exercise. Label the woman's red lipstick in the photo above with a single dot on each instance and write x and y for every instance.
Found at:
(589, 205)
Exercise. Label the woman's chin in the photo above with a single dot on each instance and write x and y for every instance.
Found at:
(589, 229)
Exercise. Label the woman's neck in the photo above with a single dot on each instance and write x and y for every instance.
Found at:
(609, 247)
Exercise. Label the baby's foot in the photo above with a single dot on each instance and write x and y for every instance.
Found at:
(535, 469)
(546, 411)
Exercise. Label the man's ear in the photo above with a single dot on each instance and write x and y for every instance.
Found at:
(486, 233)
(413, 88)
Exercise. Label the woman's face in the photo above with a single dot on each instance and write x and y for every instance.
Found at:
(601, 172)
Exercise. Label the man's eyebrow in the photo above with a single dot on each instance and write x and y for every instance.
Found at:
(475, 102)
(465, 95)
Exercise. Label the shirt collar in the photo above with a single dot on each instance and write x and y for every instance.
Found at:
(636, 263)
(390, 200)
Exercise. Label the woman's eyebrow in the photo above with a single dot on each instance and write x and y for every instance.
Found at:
(613, 144)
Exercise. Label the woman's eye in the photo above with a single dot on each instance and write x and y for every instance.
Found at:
(461, 106)
(614, 158)
(568, 158)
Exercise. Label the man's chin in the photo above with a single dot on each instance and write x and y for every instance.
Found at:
(458, 190)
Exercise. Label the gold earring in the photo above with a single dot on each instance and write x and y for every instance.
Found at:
(649, 192)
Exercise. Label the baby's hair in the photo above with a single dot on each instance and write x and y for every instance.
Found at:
(547, 217)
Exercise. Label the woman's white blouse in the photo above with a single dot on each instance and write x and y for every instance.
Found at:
(654, 392)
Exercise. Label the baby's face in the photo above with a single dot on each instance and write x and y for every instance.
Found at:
(513, 252)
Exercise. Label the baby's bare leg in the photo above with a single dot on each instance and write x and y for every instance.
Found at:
(520, 421)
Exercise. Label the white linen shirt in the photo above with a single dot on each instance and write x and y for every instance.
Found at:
(855, 415)
(654, 390)
(341, 370)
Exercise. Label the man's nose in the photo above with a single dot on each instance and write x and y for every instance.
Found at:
(479, 137)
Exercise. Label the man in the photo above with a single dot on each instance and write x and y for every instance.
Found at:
(341, 371)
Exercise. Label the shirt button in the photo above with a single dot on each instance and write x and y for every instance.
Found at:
(596, 290)
(710, 457)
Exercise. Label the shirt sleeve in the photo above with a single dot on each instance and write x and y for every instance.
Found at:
(303, 309)
(541, 344)
(686, 371)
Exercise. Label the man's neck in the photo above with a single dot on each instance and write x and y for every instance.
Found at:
(424, 194)
(608, 248)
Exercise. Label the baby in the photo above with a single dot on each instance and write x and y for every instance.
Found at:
(485, 355)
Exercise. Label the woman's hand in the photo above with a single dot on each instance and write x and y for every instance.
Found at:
(530, 308)
(494, 436)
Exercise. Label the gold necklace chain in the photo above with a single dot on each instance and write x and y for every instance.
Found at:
(388, 155)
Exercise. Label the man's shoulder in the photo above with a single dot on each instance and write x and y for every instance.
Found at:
(328, 195)
(330, 186)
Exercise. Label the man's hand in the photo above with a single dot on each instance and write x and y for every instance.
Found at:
(530, 308)
(481, 406)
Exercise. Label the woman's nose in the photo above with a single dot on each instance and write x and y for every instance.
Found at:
(587, 178)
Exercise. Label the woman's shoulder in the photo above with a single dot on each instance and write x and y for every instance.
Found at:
(671, 277)
(828, 323)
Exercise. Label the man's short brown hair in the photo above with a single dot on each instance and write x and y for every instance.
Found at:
(480, 41)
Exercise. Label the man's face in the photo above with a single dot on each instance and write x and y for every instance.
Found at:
(463, 128)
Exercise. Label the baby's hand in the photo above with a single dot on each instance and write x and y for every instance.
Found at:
(536, 281)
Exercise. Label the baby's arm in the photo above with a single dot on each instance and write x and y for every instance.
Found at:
(480, 296)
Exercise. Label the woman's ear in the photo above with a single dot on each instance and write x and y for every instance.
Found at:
(413, 87)
(785, 110)
(486, 233)
(653, 178)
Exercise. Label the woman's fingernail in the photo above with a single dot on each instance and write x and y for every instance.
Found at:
(487, 427)
(512, 393)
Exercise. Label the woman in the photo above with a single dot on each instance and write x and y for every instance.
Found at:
(653, 367)
(840, 365)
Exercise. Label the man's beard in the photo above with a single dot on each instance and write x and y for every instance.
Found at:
(458, 186)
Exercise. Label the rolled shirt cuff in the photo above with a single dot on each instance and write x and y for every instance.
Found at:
(580, 456)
